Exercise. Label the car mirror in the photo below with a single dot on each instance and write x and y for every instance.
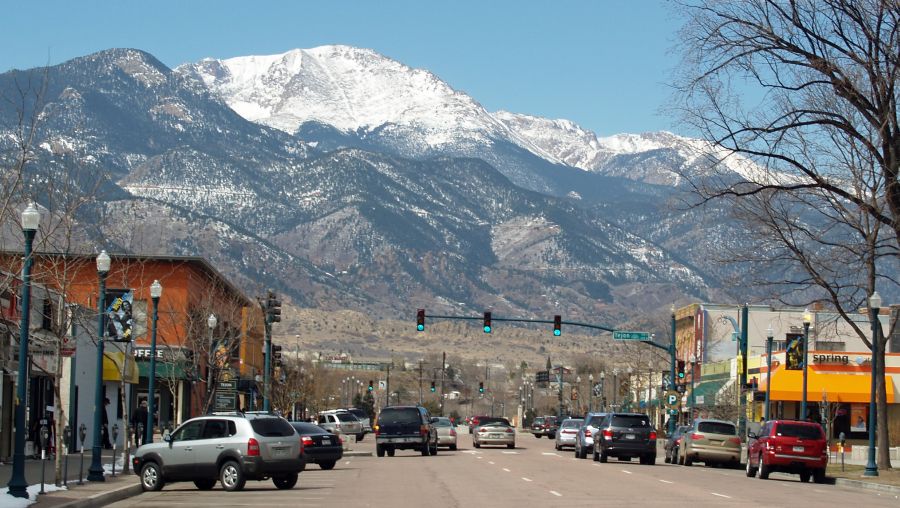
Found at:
(167, 437)
(434, 419)
(752, 435)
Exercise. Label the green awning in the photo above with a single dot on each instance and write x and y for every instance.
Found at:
(704, 394)
(164, 370)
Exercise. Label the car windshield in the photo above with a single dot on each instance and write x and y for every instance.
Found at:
(401, 416)
(443, 422)
(717, 428)
(571, 424)
(630, 421)
(347, 417)
(538, 421)
(680, 430)
(359, 413)
(798, 431)
(495, 421)
(595, 421)
(272, 427)
(308, 428)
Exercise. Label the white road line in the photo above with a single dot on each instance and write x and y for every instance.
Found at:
(550, 454)
(666, 481)
(507, 470)
(510, 453)
(555, 493)
(491, 462)
(346, 462)
(526, 479)
(480, 457)
(721, 495)
(626, 472)
(595, 464)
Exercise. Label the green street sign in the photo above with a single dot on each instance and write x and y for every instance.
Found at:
(672, 399)
(625, 335)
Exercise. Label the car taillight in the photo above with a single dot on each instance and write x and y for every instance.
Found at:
(510, 431)
(735, 440)
(678, 441)
(652, 434)
(423, 430)
(377, 429)
(306, 441)
(587, 432)
(607, 434)
(452, 432)
(697, 437)
(252, 448)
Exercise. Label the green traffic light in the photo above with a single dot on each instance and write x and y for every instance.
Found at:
(681, 375)
(487, 329)
(420, 327)
(557, 332)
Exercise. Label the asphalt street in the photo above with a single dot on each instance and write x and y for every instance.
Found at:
(533, 474)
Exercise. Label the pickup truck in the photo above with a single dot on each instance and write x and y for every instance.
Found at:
(405, 428)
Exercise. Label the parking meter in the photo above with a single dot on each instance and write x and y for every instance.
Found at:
(44, 435)
(843, 438)
(67, 435)
(82, 434)
(115, 439)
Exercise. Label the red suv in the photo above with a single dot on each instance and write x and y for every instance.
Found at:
(788, 446)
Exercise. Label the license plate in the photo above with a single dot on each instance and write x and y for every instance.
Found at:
(280, 452)
(629, 436)
(798, 448)
(496, 436)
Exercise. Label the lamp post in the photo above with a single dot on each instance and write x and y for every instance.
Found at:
(591, 393)
(155, 293)
(807, 319)
(615, 403)
(211, 323)
(874, 307)
(18, 486)
(603, 390)
(770, 335)
(95, 472)
(673, 367)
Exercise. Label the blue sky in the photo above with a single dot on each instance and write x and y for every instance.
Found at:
(603, 64)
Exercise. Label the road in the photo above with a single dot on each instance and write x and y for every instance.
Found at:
(533, 474)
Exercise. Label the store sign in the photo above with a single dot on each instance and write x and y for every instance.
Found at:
(840, 359)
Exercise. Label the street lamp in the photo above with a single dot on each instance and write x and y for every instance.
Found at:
(591, 393)
(615, 403)
(155, 293)
(673, 367)
(18, 486)
(770, 335)
(603, 390)
(807, 319)
(211, 323)
(874, 308)
(95, 472)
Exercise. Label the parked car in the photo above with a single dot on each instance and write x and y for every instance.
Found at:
(319, 446)
(537, 427)
(232, 448)
(494, 431)
(364, 421)
(446, 432)
(788, 446)
(584, 440)
(673, 444)
(474, 420)
(548, 426)
(340, 421)
(625, 435)
(568, 432)
(405, 428)
(712, 442)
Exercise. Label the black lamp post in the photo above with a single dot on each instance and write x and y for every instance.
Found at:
(211, 323)
(95, 472)
(807, 319)
(874, 307)
(18, 486)
(770, 335)
(155, 293)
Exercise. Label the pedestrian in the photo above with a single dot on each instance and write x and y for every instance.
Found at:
(105, 422)
(139, 422)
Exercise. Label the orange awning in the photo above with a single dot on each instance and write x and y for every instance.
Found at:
(788, 385)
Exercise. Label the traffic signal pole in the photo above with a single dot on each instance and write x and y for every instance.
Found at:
(268, 364)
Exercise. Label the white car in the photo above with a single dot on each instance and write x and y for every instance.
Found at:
(340, 422)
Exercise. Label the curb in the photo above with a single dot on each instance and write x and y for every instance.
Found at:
(860, 484)
(105, 498)
(357, 454)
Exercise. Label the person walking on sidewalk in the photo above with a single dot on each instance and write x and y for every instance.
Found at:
(139, 423)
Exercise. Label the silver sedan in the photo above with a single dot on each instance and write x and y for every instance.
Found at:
(446, 432)
(494, 431)
(568, 432)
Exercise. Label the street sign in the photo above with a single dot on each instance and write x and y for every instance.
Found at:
(382, 384)
(542, 376)
(672, 399)
(227, 386)
(226, 401)
(626, 335)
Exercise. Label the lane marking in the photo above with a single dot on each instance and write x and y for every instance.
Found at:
(720, 495)
(595, 464)
(510, 453)
(347, 462)
(507, 470)
(626, 472)
(550, 454)
(479, 456)
(491, 462)
(555, 493)
(527, 479)
(666, 481)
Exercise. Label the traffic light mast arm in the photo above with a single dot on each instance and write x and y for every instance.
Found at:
(522, 320)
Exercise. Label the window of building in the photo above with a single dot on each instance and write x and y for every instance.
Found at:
(831, 346)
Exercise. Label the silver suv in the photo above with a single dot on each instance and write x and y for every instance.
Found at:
(231, 448)
(341, 421)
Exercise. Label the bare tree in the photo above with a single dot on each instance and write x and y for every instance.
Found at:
(800, 99)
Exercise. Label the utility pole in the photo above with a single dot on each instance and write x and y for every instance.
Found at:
(387, 385)
(559, 382)
(443, 369)
(420, 382)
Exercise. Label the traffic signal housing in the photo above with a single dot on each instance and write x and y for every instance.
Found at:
(680, 370)
(276, 356)
(432, 387)
(273, 307)
(420, 320)
(481, 387)
(487, 322)
(371, 385)
(557, 325)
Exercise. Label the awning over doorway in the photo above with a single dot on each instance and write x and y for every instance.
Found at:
(704, 393)
(164, 370)
(112, 367)
(788, 385)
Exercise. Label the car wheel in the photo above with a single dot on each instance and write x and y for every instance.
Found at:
(425, 449)
(537, 436)
(379, 450)
(453, 447)
(327, 466)
(434, 449)
(558, 448)
(680, 458)
(391, 452)
(360, 437)
(819, 475)
(151, 477)
(476, 444)
(511, 445)
(805, 475)
(750, 470)
(648, 460)
(231, 476)
(667, 459)
(764, 469)
(285, 482)
(688, 460)
(205, 484)
(603, 457)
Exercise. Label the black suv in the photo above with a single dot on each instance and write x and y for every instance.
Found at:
(625, 435)
(405, 428)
